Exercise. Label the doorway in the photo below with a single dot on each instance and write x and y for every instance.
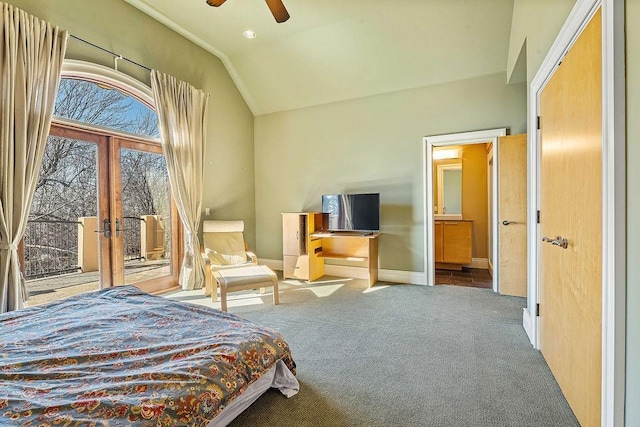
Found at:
(480, 137)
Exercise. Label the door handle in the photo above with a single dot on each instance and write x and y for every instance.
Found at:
(558, 241)
(506, 222)
(106, 228)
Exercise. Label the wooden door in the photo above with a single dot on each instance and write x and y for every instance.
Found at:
(115, 190)
(512, 215)
(292, 237)
(571, 207)
(143, 216)
(292, 231)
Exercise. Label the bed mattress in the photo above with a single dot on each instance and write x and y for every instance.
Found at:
(121, 356)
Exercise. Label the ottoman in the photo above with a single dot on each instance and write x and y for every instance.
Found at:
(243, 278)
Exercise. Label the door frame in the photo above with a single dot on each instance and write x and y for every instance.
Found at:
(613, 193)
(491, 136)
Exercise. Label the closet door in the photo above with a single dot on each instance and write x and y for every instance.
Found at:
(571, 223)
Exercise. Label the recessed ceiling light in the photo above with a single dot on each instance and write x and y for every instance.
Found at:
(249, 34)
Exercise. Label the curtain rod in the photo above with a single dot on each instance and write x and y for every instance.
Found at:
(115, 55)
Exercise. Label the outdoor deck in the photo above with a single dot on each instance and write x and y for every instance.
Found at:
(44, 290)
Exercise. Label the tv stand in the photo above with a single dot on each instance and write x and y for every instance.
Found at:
(306, 245)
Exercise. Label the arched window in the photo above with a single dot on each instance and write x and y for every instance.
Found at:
(104, 106)
(102, 212)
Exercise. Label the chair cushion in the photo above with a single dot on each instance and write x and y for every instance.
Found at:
(226, 248)
(246, 275)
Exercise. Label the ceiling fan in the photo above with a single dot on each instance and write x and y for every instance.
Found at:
(277, 8)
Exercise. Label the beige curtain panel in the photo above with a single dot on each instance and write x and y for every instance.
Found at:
(31, 53)
(182, 117)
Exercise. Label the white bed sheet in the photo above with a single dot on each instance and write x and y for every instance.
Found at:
(279, 376)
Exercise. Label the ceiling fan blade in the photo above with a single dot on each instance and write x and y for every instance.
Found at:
(215, 3)
(277, 10)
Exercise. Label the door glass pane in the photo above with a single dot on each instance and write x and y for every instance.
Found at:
(146, 216)
(60, 241)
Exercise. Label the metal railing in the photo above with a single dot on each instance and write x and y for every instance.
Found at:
(131, 238)
(50, 248)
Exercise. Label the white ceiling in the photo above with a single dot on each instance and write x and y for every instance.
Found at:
(335, 50)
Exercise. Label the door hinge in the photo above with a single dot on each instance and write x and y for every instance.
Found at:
(537, 309)
(538, 217)
(538, 124)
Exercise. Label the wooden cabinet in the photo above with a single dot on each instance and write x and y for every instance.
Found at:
(438, 239)
(300, 251)
(453, 243)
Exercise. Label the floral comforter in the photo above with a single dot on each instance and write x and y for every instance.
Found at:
(123, 357)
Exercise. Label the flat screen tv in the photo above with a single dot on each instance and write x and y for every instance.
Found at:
(352, 212)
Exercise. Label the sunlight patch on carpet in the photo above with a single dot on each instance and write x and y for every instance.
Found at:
(326, 290)
(374, 289)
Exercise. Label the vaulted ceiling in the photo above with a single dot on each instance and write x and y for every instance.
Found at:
(335, 50)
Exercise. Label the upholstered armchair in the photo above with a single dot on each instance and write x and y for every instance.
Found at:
(224, 248)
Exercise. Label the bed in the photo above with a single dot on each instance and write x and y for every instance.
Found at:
(120, 356)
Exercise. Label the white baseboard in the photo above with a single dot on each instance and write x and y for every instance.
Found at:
(527, 323)
(400, 276)
(392, 276)
(274, 264)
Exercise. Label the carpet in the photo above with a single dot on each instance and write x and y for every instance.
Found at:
(401, 355)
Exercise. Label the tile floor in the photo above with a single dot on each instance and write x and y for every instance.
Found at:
(470, 277)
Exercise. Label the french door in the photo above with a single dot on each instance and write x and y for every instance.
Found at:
(136, 227)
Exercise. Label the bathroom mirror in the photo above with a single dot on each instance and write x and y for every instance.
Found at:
(449, 190)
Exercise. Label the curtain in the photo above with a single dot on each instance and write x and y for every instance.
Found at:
(31, 54)
(182, 118)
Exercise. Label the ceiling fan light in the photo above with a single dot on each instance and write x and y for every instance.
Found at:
(248, 34)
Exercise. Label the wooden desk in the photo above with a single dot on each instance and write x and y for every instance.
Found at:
(305, 247)
(352, 246)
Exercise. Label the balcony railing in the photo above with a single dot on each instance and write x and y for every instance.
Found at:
(50, 248)
(131, 238)
(54, 247)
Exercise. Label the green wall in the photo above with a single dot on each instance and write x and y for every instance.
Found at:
(536, 22)
(123, 29)
(633, 213)
(372, 144)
